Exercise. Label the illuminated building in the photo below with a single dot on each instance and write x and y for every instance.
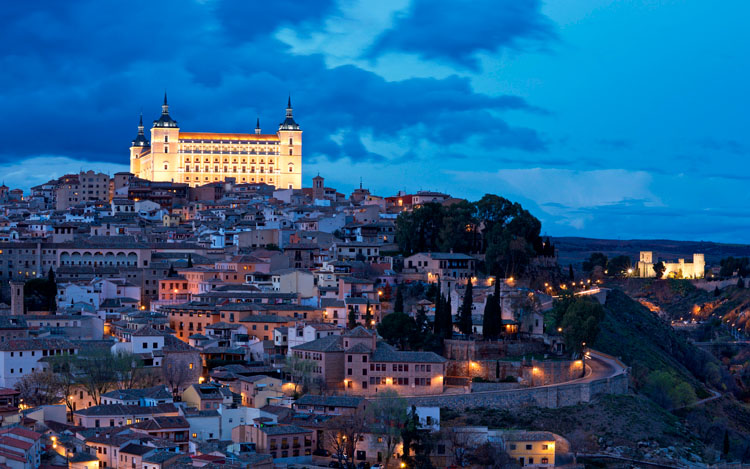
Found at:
(198, 158)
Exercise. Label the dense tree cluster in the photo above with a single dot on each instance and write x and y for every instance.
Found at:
(731, 265)
(504, 231)
(618, 266)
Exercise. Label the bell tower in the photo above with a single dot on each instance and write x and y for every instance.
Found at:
(290, 147)
(165, 135)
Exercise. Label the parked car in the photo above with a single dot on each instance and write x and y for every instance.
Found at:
(321, 452)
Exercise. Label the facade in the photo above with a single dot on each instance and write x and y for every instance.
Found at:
(679, 269)
(197, 158)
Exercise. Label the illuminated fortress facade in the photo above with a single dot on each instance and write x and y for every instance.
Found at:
(198, 158)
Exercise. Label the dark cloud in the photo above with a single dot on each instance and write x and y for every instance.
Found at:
(455, 31)
(81, 74)
(728, 146)
(616, 143)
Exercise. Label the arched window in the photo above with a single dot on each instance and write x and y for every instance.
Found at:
(291, 141)
(166, 167)
(290, 152)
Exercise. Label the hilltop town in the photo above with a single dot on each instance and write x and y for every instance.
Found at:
(226, 316)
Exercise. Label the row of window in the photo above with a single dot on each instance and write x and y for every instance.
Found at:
(234, 161)
(207, 169)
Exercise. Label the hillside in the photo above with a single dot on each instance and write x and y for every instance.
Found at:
(572, 250)
(647, 344)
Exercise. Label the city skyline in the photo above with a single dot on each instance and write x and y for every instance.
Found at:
(603, 119)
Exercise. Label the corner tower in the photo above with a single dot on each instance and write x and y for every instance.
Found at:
(138, 148)
(290, 148)
(165, 135)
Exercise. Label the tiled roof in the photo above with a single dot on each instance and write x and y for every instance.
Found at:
(283, 430)
(137, 450)
(14, 345)
(329, 401)
(359, 332)
(386, 353)
(331, 343)
(119, 409)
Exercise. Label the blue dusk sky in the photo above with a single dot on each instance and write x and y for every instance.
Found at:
(617, 119)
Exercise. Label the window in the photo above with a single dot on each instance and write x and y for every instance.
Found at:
(166, 148)
(545, 447)
(290, 152)
(512, 446)
(545, 460)
(528, 447)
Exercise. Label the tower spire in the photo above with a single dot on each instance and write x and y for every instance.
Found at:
(140, 139)
(257, 126)
(289, 107)
(165, 106)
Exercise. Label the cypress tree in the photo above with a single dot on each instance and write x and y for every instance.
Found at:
(438, 322)
(571, 275)
(464, 314)
(398, 307)
(487, 325)
(190, 261)
(352, 320)
(447, 319)
(740, 283)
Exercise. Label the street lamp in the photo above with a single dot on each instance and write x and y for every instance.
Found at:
(583, 359)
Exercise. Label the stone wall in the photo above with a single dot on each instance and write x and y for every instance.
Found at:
(532, 372)
(489, 350)
(548, 396)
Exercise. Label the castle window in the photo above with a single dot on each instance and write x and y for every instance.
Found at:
(290, 152)
(291, 169)
(216, 169)
(270, 161)
(225, 169)
(166, 148)
(166, 166)
(206, 168)
(187, 169)
(291, 141)
(166, 138)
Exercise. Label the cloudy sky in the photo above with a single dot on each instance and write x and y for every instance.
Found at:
(618, 119)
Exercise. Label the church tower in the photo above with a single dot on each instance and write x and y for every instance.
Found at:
(290, 137)
(165, 135)
(138, 147)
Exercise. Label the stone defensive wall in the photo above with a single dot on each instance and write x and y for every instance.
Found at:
(550, 396)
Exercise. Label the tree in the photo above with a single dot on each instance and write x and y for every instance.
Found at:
(458, 232)
(717, 292)
(97, 372)
(368, 315)
(342, 434)
(668, 390)
(595, 259)
(179, 370)
(41, 387)
(352, 318)
(580, 323)
(397, 329)
(398, 306)
(740, 283)
(419, 230)
(571, 274)
(725, 448)
(619, 266)
(172, 272)
(462, 444)
(190, 261)
(387, 415)
(448, 319)
(299, 371)
(130, 372)
(659, 269)
(437, 322)
(464, 313)
(63, 367)
(52, 290)
(492, 320)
